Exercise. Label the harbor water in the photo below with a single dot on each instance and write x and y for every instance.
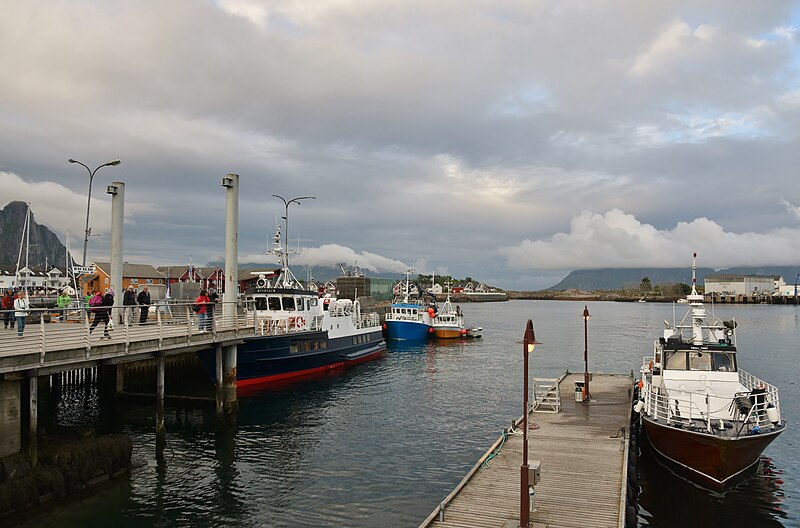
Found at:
(382, 444)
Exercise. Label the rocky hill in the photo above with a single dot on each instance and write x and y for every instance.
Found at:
(44, 244)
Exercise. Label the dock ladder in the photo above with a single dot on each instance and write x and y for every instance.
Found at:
(546, 396)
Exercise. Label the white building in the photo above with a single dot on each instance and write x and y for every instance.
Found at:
(738, 284)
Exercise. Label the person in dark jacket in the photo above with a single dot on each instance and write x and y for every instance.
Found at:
(8, 310)
(128, 301)
(144, 301)
(102, 314)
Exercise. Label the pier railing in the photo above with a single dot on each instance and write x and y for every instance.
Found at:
(52, 330)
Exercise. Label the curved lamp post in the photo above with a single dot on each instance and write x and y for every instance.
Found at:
(586, 316)
(528, 345)
(111, 163)
(286, 218)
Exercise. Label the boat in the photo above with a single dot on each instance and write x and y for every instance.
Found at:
(448, 323)
(474, 331)
(409, 318)
(704, 415)
(299, 333)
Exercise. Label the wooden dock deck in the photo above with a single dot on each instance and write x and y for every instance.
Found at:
(583, 451)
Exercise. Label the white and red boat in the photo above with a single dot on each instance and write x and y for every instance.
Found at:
(700, 411)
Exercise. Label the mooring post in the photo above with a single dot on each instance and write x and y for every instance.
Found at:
(229, 381)
(33, 451)
(220, 396)
(230, 293)
(160, 429)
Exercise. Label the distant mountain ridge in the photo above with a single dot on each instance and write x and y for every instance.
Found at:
(616, 278)
(45, 247)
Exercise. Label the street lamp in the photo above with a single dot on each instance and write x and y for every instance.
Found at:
(286, 203)
(528, 344)
(89, 199)
(586, 316)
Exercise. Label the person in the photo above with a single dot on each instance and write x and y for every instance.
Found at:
(128, 301)
(213, 298)
(101, 307)
(21, 311)
(144, 301)
(201, 307)
(8, 309)
(62, 302)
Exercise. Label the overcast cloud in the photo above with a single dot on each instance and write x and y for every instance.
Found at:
(509, 141)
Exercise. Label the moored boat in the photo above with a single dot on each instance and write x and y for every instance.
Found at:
(474, 331)
(300, 334)
(409, 319)
(700, 411)
(448, 323)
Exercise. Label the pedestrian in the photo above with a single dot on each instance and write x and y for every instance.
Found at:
(21, 311)
(62, 302)
(87, 298)
(128, 301)
(8, 309)
(144, 301)
(201, 307)
(213, 298)
(101, 308)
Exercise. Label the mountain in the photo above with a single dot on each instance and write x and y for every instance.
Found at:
(44, 244)
(615, 278)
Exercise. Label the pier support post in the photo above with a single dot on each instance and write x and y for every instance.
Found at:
(160, 429)
(229, 381)
(219, 384)
(10, 417)
(33, 429)
(229, 296)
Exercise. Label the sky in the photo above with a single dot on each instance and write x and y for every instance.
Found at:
(508, 141)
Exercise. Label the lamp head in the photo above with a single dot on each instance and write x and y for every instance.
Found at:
(72, 160)
(586, 313)
(114, 162)
(529, 340)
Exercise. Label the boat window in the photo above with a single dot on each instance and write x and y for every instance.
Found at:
(676, 360)
(299, 303)
(261, 303)
(275, 304)
(724, 362)
(312, 302)
(288, 304)
(700, 360)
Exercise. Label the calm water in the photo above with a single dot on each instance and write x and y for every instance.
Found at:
(382, 444)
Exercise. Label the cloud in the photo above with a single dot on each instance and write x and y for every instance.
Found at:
(617, 239)
(332, 255)
(793, 209)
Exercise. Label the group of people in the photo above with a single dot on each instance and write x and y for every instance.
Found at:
(15, 310)
(204, 307)
(130, 299)
(100, 305)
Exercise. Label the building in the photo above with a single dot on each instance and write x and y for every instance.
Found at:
(738, 284)
(208, 277)
(34, 279)
(136, 275)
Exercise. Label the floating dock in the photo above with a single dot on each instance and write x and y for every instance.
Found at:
(583, 449)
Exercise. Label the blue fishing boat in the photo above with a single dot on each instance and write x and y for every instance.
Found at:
(409, 319)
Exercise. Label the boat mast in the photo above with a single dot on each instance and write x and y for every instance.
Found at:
(696, 302)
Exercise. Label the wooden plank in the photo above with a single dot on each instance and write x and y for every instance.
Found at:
(584, 463)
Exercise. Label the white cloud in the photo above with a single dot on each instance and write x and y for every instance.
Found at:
(617, 239)
(793, 209)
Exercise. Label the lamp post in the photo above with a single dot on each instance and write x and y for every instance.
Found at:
(111, 163)
(286, 203)
(528, 344)
(586, 316)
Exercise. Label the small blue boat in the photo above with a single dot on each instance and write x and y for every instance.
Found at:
(407, 320)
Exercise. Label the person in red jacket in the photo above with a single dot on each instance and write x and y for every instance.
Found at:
(201, 305)
(8, 309)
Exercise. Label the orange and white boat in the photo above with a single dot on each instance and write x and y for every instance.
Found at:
(448, 323)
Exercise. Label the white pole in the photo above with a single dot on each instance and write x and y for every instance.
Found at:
(231, 184)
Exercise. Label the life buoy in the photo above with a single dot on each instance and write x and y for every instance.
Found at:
(300, 321)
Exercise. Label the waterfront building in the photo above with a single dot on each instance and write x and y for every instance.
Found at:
(136, 275)
(739, 284)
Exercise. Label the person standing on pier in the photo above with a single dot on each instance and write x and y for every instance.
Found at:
(144, 301)
(128, 301)
(62, 303)
(8, 309)
(21, 311)
(201, 307)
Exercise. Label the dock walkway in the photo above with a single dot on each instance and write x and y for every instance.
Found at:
(583, 452)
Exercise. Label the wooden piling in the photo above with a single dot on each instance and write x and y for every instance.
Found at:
(160, 429)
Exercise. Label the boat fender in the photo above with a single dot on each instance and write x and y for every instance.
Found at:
(640, 384)
(384, 326)
(430, 330)
(772, 414)
(631, 520)
(638, 406)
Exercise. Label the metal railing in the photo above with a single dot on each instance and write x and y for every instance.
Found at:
(51, 330)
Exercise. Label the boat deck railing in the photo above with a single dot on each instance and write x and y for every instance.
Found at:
(750, 411)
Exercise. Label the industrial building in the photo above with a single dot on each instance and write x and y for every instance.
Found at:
(738, 284)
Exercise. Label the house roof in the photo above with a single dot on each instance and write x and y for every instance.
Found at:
(145, 271)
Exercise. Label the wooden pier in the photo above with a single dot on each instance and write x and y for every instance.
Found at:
(583, 451)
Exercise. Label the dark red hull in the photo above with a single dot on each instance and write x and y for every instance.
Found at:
(711, 460)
